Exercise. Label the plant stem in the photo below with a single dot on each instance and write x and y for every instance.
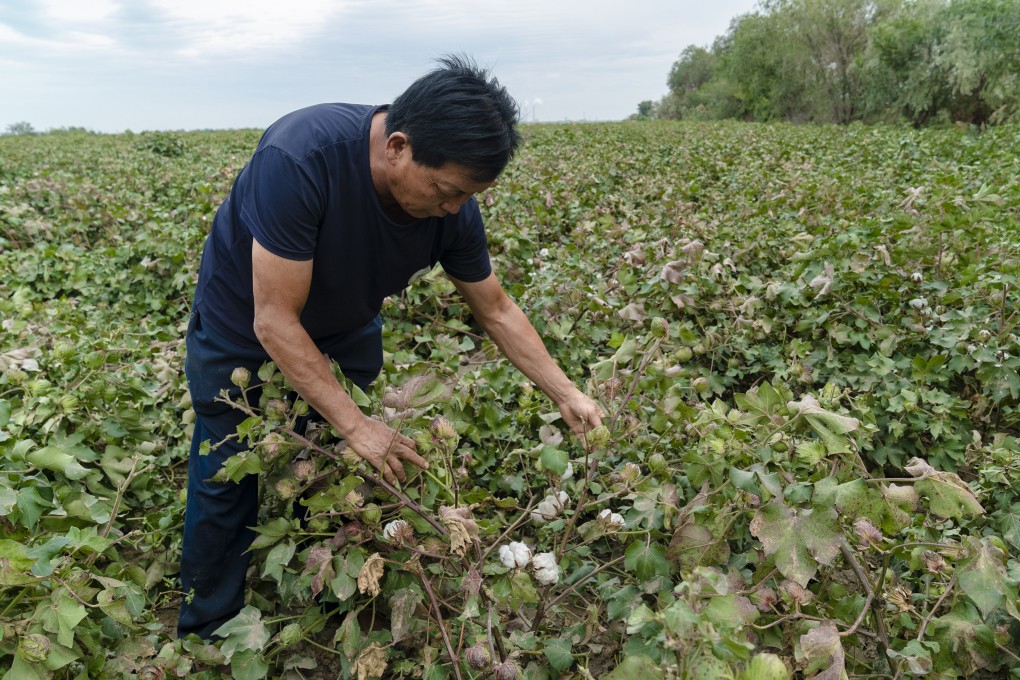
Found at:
(454, 659)
(938, 603)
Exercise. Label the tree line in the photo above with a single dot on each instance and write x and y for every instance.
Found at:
(839, 61)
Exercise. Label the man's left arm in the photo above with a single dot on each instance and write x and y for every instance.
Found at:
(510, 329)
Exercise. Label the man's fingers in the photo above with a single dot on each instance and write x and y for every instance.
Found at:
(395, 468)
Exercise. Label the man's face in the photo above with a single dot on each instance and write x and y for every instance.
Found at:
(422, 191)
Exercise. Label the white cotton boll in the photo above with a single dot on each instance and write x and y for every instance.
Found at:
(549, 508)
(547, 572)
(613, 519)
(394, 529)
(521, 554)
(506, 556)
(569, 472)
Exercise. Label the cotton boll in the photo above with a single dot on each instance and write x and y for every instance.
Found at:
(515, 555)
(506, 556)
(398, 530)
(612, 520)
(547, 572)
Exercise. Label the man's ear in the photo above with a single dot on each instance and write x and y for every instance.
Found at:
(397, 144)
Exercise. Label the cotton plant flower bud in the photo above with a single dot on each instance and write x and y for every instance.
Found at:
(442, 428)
(286, 488)
(598, 437)
(478, 656)
(304, 470)
(933, 561)
(277, 408)
(515, 555)
(611, 520)
(34, 648)
(398, 531)
(291, 635)
(547, 572)
(867, 532)
(240, 376)
(549, 508)
(630, 472)
(505, 671)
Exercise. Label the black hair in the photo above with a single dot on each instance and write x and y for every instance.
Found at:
(458, 113)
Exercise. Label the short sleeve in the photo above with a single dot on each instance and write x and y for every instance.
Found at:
(466, 256)
(283, 206)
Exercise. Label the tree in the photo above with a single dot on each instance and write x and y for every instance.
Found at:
(20, 128)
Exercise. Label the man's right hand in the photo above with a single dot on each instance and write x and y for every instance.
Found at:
(384, 448)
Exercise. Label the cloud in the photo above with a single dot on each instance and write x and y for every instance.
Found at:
(74, 11)
(244, 27)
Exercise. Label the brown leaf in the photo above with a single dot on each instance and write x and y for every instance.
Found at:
(370, 575)
(371, 662)
(824, 652)
(320, 560)
(462, 526)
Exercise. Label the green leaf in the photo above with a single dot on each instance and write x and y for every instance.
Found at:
(68, 614)
(238, 466)
(947, 494)
(278, 558)
(554, 460)
(15, 564)
(982, 576)
(557, 650)
(799, 539)
(248, 665)
(246, 631)
(271, 533)
(56, 460)
(646, 560)
(637, 667)
(965, 643)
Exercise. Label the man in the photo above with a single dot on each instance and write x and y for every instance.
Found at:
(340, 206)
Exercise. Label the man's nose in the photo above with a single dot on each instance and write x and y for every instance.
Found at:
(452, 207)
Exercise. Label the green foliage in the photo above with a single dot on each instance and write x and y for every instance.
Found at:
(804, 341)
(837, 61)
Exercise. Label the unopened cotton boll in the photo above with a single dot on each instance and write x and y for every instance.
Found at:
(515, 555)
(547, 572)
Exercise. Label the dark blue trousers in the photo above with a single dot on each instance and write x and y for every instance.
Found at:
(219, 516)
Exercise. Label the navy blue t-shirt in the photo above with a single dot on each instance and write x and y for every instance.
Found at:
(307, 194)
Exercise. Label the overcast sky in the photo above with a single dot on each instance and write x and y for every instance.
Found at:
(110, 65)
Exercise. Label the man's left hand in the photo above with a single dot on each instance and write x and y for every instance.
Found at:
(580, 412)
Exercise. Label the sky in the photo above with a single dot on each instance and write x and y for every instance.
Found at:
(112, 65)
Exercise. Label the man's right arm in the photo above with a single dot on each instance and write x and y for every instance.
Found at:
(281, 288)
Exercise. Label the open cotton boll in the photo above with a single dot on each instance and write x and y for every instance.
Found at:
(547, 572)
(549, 508)
(397, 530)
(614, 519)
(515, 555)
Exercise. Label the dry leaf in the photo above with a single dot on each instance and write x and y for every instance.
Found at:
(371, 662)
(462, 526)
(370, 575)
